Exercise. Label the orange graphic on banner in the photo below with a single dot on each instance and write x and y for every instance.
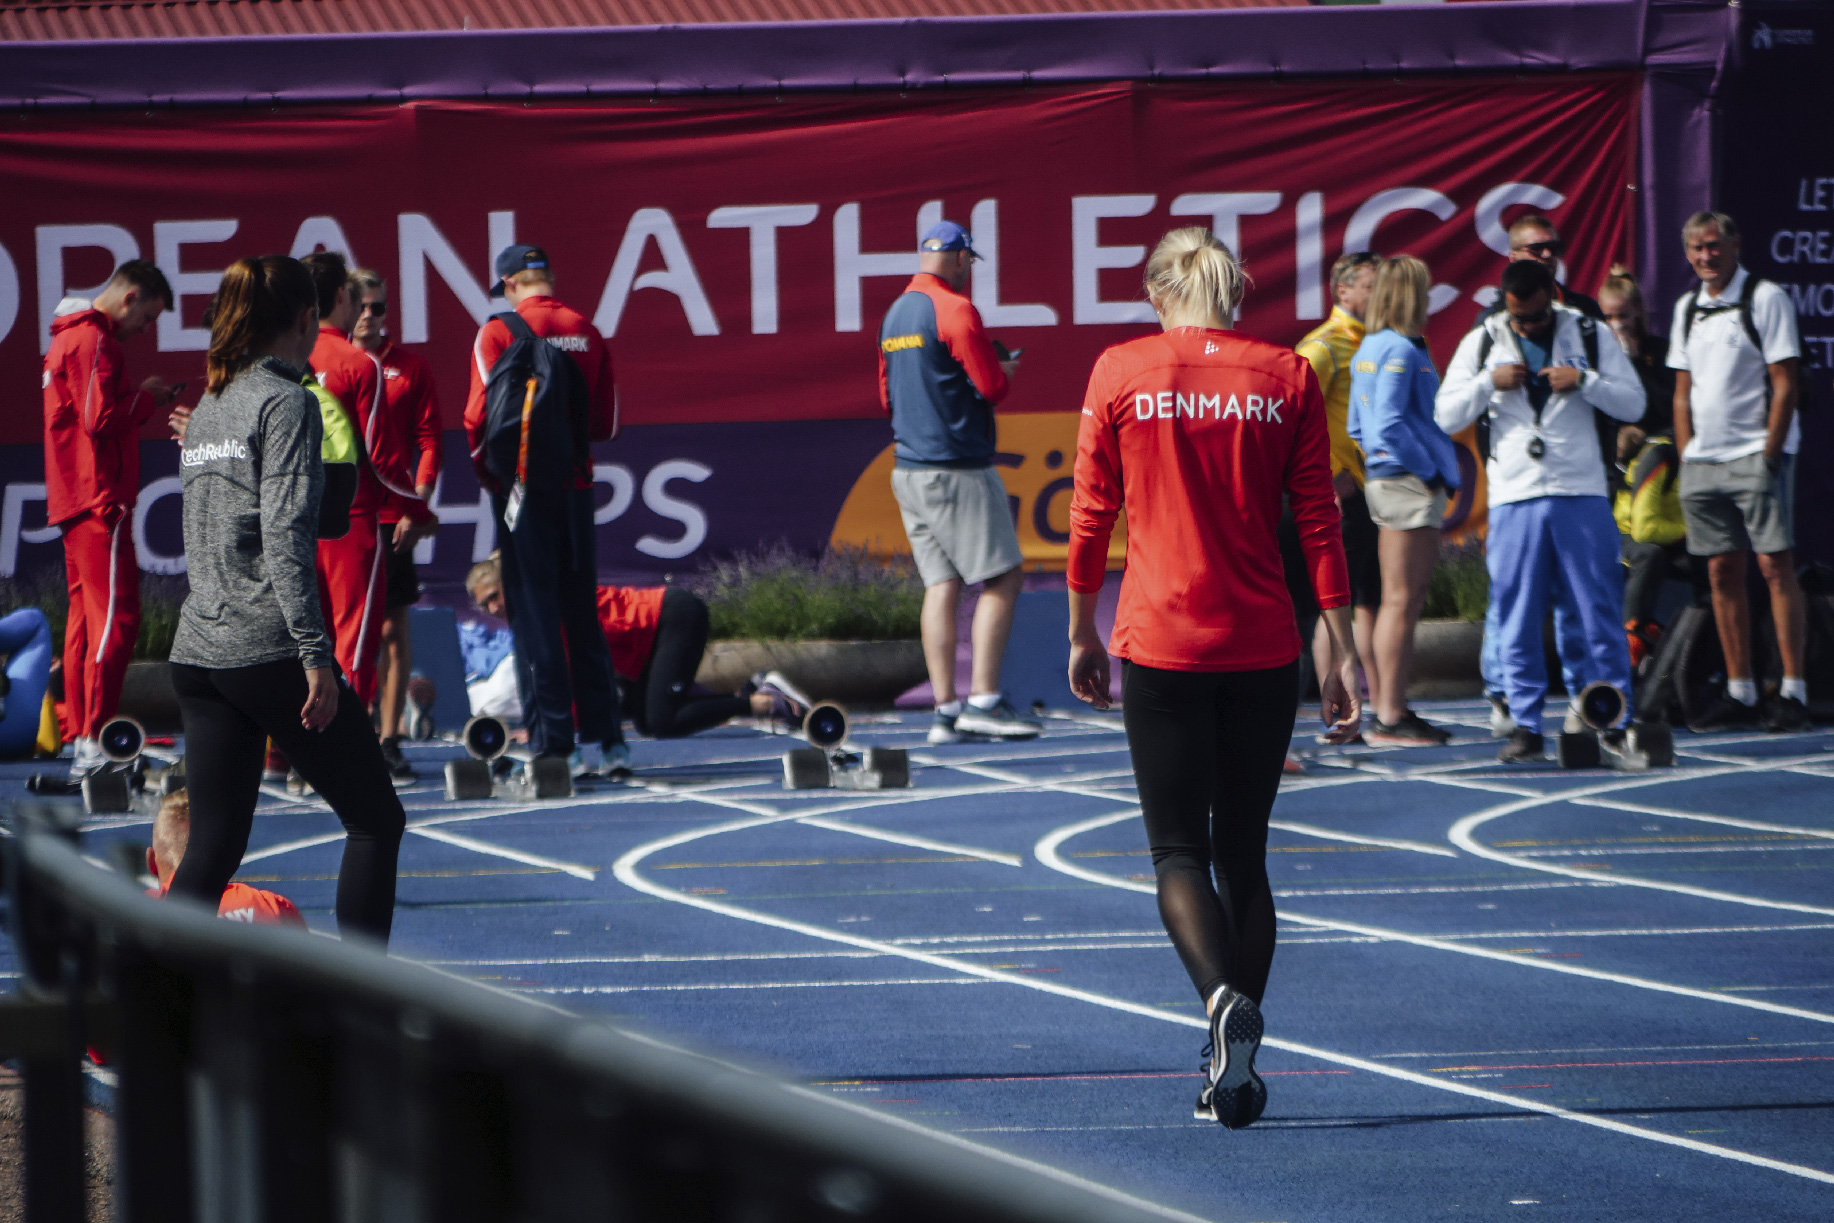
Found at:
(1037, 451)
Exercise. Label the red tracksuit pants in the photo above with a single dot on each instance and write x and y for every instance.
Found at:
(351, 574)
(104, 577)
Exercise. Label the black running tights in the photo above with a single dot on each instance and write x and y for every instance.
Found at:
(1208, 748)
(662, 703)
(229, 714)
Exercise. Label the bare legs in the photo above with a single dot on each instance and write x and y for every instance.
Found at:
(392, 671)
(1325, 659)
(993, 625)
(1407, 558)
(1732, 611)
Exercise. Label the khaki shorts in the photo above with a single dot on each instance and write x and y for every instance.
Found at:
(1737, 505)
(1405, 503)
(958, 521)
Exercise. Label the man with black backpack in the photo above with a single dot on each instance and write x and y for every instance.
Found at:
(541, 393)
(1734, 349)
(1536, 379)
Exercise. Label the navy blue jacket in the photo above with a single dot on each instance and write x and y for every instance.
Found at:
(939, 378)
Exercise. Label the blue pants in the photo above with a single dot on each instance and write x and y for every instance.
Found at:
(1545, 550)
(1569, 644)
(550, 577)
(25, 637)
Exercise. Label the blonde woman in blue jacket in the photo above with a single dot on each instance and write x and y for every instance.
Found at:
(1412, 468)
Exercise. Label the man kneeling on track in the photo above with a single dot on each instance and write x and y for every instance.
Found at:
(657, 636)
(171, 836)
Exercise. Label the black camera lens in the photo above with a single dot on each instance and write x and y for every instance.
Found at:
(826, 726)
(1536, 447)
(486, 738)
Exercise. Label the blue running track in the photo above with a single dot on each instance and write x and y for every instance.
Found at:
(1500, 992)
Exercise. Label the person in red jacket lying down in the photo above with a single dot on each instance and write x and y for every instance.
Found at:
(657, 636)
(171, 836)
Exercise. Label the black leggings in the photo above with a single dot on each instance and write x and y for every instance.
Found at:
(1208, 748)
(229, 714)
(660, 701)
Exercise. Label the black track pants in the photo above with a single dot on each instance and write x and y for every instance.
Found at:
(229, 714)
(1207, 749)
(662, 704)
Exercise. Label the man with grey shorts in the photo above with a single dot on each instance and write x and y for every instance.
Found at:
(1735, 350)
(939, 378)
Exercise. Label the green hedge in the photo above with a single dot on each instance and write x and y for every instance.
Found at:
(1460, 588)
(776, 594)
(160, 600)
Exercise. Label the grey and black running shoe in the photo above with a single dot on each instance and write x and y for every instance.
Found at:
(1233, 1093)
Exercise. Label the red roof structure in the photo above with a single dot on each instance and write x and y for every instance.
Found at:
(77, 20)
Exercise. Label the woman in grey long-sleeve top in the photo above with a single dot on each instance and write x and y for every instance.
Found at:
(251, 659)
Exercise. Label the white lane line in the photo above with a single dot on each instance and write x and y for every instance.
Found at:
(1331, 834)
(1436, 889)
(626, 872)
(1675, 813)
(915, 842)
(1642, 932)
(587, 873)
(1047, 852)
(722, 986)
(1462, 834)
(1619, 851)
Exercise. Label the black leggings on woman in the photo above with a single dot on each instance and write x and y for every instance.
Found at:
(229, 714)
(1208, 748)
(659, 701)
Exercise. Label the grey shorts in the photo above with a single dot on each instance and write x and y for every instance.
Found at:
(1738, 505)
(1404, 503)
(958, 521)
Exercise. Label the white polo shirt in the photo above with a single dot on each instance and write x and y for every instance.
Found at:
(1729, 405)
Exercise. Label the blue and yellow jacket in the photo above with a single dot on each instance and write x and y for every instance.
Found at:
(1392, 385)
(939, 378)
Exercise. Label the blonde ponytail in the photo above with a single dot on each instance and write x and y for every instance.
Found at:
(1193, 275)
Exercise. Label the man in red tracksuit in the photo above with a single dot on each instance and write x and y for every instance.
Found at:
(405, 453)
(92, 480)
(350, 569)
(550, 559)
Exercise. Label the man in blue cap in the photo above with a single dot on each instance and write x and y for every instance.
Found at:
(549, 546)
(939, 379)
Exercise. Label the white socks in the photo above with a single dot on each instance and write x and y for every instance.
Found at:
(984, 700)
(950, 709)
(1798, 688)
(1744, 691)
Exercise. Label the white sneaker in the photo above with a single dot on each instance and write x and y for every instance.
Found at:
(1000, 722)
(86, 757)
(1502, 725)
(942, 730)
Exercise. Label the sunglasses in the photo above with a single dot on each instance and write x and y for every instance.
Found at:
(1533, 320)
(379, 309)
(1542, 250)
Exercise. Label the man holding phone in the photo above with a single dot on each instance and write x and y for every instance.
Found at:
(939, 379)
(1533, 378)
(92, 481)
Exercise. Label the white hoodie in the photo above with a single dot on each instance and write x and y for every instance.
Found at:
(1571, 465)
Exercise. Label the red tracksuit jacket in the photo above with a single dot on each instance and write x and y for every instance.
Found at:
(406, 446)
(580, 340)
(92, 422)
(1197, 434)
(356, 379)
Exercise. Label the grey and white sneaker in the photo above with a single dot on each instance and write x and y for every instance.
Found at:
(1502, 724)
(942, 730)
(788, 704)
(1000, 722)
(1233, 1093)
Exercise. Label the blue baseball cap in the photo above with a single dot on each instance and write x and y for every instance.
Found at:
(947, 236)
(515, 259)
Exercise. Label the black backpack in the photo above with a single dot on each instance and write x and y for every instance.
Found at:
(535, 378)
(1606, 426)
(1804, 383)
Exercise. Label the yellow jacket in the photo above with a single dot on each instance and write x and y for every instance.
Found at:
(1329, 348)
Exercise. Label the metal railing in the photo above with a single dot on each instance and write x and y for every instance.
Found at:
(267, 1074)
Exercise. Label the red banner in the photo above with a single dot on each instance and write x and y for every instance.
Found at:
(740, 254)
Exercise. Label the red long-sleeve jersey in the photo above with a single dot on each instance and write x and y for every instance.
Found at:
(356, 379)
(571, 332)
(630, 616)
(1197, 433)
(406, 447)
(92, 421)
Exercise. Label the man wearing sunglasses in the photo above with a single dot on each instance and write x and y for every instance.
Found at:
(1534, 380)
(1533, 239)
(405, 450)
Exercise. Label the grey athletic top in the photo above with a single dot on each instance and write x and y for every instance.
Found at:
(253, 478)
